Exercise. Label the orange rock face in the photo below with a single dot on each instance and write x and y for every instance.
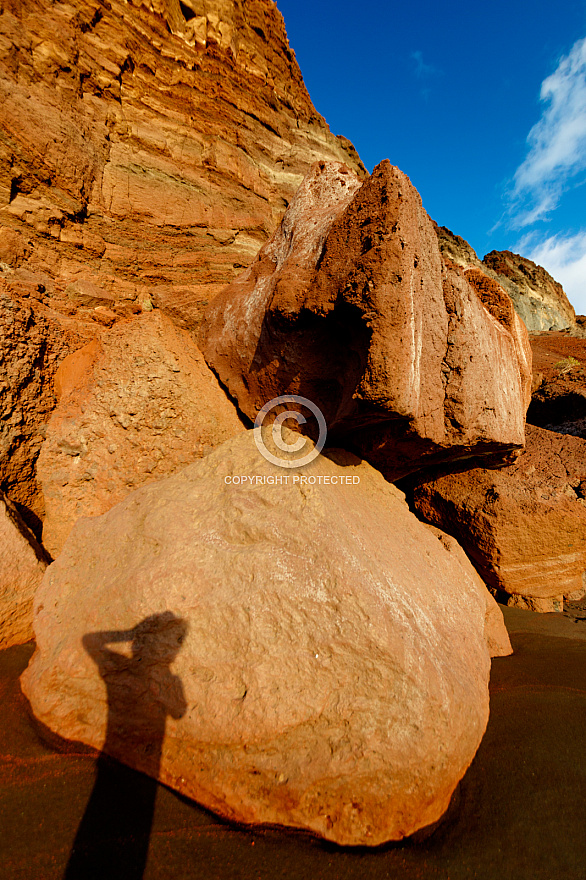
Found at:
(22, 565)
(135, 405)
(146, 153)
(351, 306)
(524, 526)
(329, 655)
(33, 342)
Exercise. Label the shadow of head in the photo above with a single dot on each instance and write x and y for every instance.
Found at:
(159, 638)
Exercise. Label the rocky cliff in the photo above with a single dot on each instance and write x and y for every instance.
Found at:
(146, 153)
(147, 150)
(539, 300)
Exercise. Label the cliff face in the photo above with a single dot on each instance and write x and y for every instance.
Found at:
(539, 300)
(147, 150)
(146, 153)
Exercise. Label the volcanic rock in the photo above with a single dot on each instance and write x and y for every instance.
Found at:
(330, 665)
(351, 306)
(539, 300)
(523, 526)
(22, 565)
(149, 148)
(136, 404)
(558, 402)
(33, 342)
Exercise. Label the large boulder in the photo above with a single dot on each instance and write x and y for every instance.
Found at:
(22, 565)
(351, 305)
(495, 631)
(329, 655)
(135, 405)
(523, 526)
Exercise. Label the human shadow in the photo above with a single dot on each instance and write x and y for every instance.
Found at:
(113, 837)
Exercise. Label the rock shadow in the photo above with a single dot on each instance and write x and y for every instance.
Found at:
(113, 837)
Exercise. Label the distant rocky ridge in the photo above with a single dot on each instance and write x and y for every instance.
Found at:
(539, 300)
(148, 149)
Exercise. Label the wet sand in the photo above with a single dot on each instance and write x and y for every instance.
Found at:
(519, 813)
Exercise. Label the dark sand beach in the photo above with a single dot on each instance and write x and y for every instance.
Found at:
(519, 813)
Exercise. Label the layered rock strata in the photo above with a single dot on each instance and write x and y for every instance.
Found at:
(149, 149)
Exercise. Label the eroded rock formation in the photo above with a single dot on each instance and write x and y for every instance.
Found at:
(135, 405)
(558, 402)
(22, 565)
(149, 149)
(539, 300)
(34, 340)
(330, 657)
(351, 305)
(524, 526)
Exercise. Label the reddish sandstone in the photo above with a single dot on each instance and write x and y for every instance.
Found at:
(524, 526)
(351, 305)
(22, 565)
(135, 405)
(330, 656)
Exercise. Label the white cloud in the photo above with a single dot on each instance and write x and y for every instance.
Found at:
(557, 143)
(422, 70)
(564, 257)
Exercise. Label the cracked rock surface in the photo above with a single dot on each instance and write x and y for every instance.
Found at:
(34, 340)
(136, 404)
(352, 306)
(523, 526)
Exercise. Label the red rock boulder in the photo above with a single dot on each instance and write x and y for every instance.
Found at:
(22, 565)
(314, 656)
(135, 405)
(523, 526)
(351, 305)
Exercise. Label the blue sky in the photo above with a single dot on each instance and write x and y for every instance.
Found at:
(482, 105)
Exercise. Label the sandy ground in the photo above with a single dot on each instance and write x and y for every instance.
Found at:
(519, 813)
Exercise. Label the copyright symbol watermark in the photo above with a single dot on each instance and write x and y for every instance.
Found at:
(277, 431)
